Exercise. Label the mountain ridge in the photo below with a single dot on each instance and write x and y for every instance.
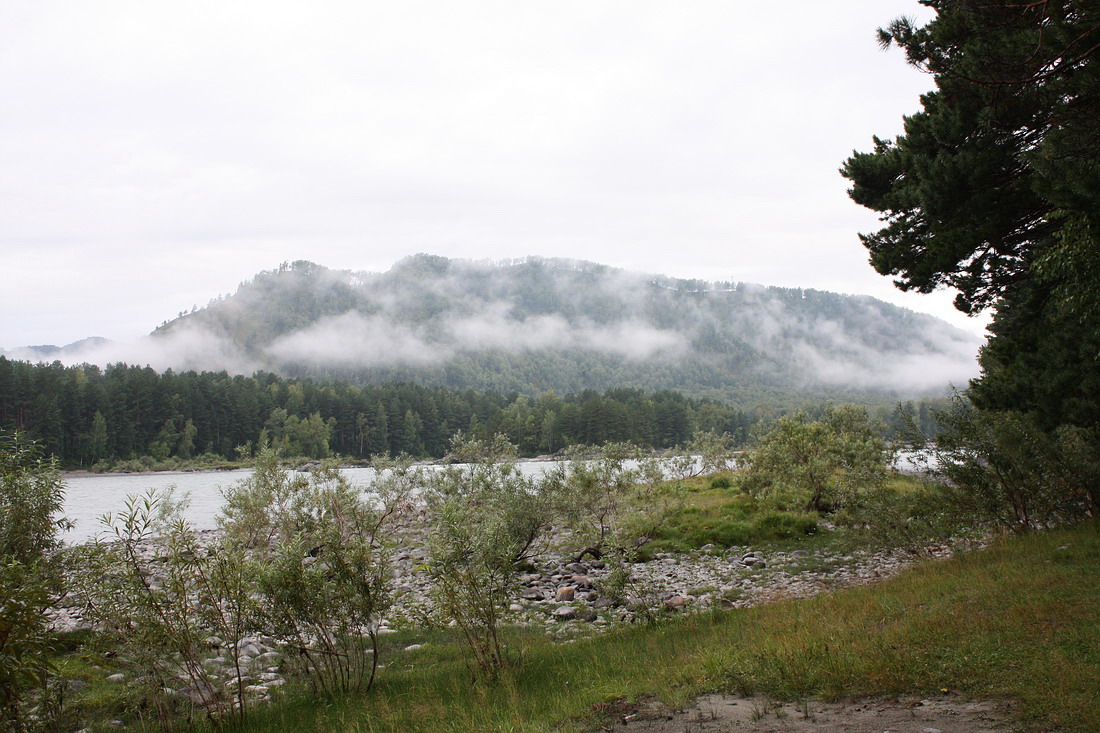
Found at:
(536, 324)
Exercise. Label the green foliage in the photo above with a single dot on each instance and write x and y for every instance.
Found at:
(322, 566)
(1002, 468)
(817, 464)
(706, 453)
(304, 560)
(266, 505)
(131, 418)
(1018, 621)
(613, 499)
(1007, 138)
(157, 593)
(993, 190)
(905, 513)
(30, 573)
(486, 517)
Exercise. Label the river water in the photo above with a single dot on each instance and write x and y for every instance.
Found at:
(87, 498)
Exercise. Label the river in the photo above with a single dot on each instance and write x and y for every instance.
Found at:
(89, 497)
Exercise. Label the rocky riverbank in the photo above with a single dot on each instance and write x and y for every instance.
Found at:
(568, 599)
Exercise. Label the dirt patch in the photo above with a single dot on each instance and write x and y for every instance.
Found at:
(726, 713)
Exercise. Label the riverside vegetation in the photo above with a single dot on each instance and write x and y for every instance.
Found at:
(469, 598)
(991, 190)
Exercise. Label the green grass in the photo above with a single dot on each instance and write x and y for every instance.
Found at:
(1019, 620)
(716, 512)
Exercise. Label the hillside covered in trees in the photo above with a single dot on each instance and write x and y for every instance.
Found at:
(536, 325)
(84, 415)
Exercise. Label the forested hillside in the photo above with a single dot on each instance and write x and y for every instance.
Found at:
(84, 414)
(534, 325)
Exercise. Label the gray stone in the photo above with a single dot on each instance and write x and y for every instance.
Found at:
(250, 650)
(676, 603)
(200, 693)
(565, 613)
(119, 677)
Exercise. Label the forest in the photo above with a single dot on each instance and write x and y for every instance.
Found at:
(84, 415)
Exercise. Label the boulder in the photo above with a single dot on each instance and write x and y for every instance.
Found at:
(676, 603)
(564, 613)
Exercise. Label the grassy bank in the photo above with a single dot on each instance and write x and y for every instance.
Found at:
(1019, 620)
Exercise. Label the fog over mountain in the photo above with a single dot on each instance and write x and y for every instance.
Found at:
(545, 324)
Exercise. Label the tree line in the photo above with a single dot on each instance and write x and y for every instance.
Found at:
(84, 414)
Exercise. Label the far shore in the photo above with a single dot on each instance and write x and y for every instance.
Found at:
(85, 473)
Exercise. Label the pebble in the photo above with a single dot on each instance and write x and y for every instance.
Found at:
(732, 578)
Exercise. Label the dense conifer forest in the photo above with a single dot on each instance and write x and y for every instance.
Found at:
(84, 415)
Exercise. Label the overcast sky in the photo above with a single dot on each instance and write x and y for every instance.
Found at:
(155, 154)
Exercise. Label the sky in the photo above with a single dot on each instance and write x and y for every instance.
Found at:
(153, 155)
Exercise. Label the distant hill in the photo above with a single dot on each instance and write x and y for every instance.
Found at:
(546, 324)
(535, 324)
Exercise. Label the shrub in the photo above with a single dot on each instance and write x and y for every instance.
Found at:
(909, 515)
(157, 594)
(1002, 468)
(304, 560)
(321, 554)
(486, 517)
(822, 462)
(721, 482)
(31, 495)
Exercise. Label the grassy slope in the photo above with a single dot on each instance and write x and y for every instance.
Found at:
(1020, 620)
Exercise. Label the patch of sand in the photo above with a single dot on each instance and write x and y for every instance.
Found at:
(729, 714)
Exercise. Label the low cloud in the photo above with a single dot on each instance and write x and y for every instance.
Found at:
(352, 339)
(545, 305)
(186, 347)
(934, 356)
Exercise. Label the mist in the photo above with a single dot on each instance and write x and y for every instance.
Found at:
(427, 311)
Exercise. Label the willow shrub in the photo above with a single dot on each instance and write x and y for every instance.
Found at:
(31, 495)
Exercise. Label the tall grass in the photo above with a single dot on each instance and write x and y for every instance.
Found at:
(1019, 620)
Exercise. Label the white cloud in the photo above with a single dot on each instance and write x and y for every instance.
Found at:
(152, 155)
